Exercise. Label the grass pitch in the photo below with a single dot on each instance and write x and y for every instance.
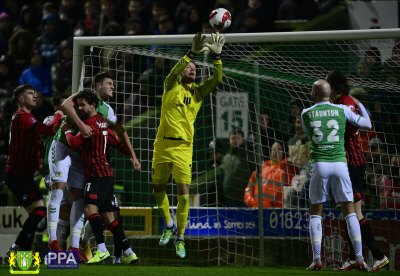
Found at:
(112, 270)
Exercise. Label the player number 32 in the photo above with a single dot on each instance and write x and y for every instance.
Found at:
(318, 135)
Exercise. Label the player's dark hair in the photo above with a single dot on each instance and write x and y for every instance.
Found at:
(99, 77)
(88, 96)
(338, 82)
(21, 89)
(59, 99)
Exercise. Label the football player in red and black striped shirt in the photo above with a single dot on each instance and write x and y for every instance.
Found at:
(357, 165)
(22, 162)
(99, 189)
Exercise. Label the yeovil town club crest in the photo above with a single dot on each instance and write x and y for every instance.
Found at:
(21, 262)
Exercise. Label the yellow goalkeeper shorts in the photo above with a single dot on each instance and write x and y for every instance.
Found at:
(172, 156)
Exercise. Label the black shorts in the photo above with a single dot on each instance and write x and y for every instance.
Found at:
(358, 182)
(24, 188)
(99, 191)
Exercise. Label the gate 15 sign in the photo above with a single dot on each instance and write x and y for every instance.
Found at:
(232, 112)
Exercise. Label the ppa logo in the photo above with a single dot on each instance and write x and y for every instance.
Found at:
(62, 260)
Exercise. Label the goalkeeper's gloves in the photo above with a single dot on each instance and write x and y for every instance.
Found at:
(197, 45)
(218, 40)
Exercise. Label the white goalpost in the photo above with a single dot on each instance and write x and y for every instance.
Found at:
(266, 77)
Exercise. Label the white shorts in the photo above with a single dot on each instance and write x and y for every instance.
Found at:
(65, 166)
(327, 176)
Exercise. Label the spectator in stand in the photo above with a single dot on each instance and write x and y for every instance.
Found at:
(38, 75)
(298, 147)
(393, 62)
(390, 75)
(274, 178)
(207, 187)
(61, 70)
(268, 134)
(8, 79)
(165, 25)
(253, 23)
(5, 32)
(192, 21)
(49, 38)
(236, 168)
(257, 16)
(390, 186)
(92, 11)
(70, 14)
(385, 120)
(113, 29)
(152, 81)
(298, 10)
(20, 49)
(137, 9)
(134, 26)
(378, 161)
(158, 9)
(287, 127)
(48, 8)
(108, 13)
(363, 69)
(372, 57)
(29, 19)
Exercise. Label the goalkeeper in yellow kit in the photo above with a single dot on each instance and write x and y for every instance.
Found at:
(173, 146)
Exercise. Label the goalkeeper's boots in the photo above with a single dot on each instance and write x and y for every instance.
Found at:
(180, 248)
(132, 259)
(316, 266)
(99, 257)
(166, 235)
(379, 264)
(85, 250)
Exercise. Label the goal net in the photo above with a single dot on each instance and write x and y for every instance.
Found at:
(267, 82)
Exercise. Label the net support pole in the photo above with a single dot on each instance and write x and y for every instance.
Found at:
(77, 59)
(259, 161)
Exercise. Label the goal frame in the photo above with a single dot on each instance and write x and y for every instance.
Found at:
(81, 42)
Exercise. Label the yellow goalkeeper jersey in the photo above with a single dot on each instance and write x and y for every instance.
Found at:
(180, 104)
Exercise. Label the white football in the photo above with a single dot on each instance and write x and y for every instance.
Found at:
(220, 19)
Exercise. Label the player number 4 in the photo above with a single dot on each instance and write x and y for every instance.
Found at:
(318, 135)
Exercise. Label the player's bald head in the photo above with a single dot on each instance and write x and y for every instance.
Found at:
(321, 90)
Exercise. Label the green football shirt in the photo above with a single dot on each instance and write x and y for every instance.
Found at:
(325, 124)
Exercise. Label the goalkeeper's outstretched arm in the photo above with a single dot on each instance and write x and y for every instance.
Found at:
(218, 41)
